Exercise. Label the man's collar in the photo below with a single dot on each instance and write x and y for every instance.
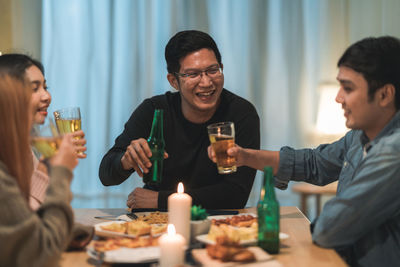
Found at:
(393, 124)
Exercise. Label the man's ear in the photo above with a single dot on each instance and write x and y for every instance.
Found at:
(386, 95)
(173, 81)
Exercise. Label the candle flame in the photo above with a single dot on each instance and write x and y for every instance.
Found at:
(180, 188)
(171, 229)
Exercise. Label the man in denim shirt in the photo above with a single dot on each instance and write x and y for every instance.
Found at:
(362, 223)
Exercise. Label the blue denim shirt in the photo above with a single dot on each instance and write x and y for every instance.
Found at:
(363, 221)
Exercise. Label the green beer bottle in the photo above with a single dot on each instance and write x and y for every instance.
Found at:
(268, 215)
(157, 145)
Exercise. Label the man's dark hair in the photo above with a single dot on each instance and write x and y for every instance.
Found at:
(17, 64)
(378, 60)
(185, 42)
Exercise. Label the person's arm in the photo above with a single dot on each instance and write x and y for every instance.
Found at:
(256, 159)
(39, 183)
(368, 201)
(319, 166)
(29, 238)
(81, 236)
(111, 171)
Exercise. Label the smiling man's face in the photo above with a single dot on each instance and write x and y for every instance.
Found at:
(200, 96)
(360, 111)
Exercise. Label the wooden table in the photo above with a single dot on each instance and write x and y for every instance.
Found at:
(305, 190)
(297, 250)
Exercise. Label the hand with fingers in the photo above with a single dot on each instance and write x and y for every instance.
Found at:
(79, 143)
(137, 156)
(236, 151)
(142, 198)
(66, 155)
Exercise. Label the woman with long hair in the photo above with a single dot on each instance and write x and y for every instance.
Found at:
(29, 238)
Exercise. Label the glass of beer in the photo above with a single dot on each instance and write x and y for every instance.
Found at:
(68, 120)
(222, 137)
(46, 138)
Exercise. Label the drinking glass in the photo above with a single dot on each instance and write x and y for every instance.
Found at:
(222, 137)
(68, 120)
(46, 138)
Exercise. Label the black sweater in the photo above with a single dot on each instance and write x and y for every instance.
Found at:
(186, 144)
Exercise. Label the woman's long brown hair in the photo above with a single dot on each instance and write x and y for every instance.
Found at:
(15, 119)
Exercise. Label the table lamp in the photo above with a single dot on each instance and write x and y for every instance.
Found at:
(330, 124)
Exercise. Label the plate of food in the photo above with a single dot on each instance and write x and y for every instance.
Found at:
(128, 229)
(154, 223)
(229, 253)
(125, 250)
(133, 241)
(241, 228)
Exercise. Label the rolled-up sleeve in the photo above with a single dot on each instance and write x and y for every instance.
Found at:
(319, 166)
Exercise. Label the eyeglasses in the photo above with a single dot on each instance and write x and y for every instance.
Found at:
(212, 73)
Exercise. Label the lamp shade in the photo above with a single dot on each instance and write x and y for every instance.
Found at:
(330, 119)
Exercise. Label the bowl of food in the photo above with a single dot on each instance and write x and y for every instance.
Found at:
(199, 223)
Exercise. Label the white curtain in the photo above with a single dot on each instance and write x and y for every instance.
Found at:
(108, 56)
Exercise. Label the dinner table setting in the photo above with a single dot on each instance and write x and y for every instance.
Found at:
(188, 235)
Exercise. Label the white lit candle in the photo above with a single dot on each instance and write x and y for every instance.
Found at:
(179, 205)
(171, 248)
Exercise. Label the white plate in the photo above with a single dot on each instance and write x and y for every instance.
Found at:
(104, 233)
(204, 239)
(128, 255)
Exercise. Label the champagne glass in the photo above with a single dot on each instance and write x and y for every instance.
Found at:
(68, 120)
(46, 138)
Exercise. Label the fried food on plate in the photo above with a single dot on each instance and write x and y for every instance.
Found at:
(228, 250)
(137, 228)
(115, 227)
(236, 234)
(105, 245)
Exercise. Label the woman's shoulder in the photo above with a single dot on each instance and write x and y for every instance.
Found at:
(7, 181)
(3, 170)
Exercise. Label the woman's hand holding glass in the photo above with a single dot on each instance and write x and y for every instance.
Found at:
(67, 155)
(68, 120)
(47, 139)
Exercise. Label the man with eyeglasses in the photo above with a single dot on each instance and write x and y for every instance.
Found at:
(195, 70)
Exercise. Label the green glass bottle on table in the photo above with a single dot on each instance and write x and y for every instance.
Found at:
(157, 145)
(268, 215)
